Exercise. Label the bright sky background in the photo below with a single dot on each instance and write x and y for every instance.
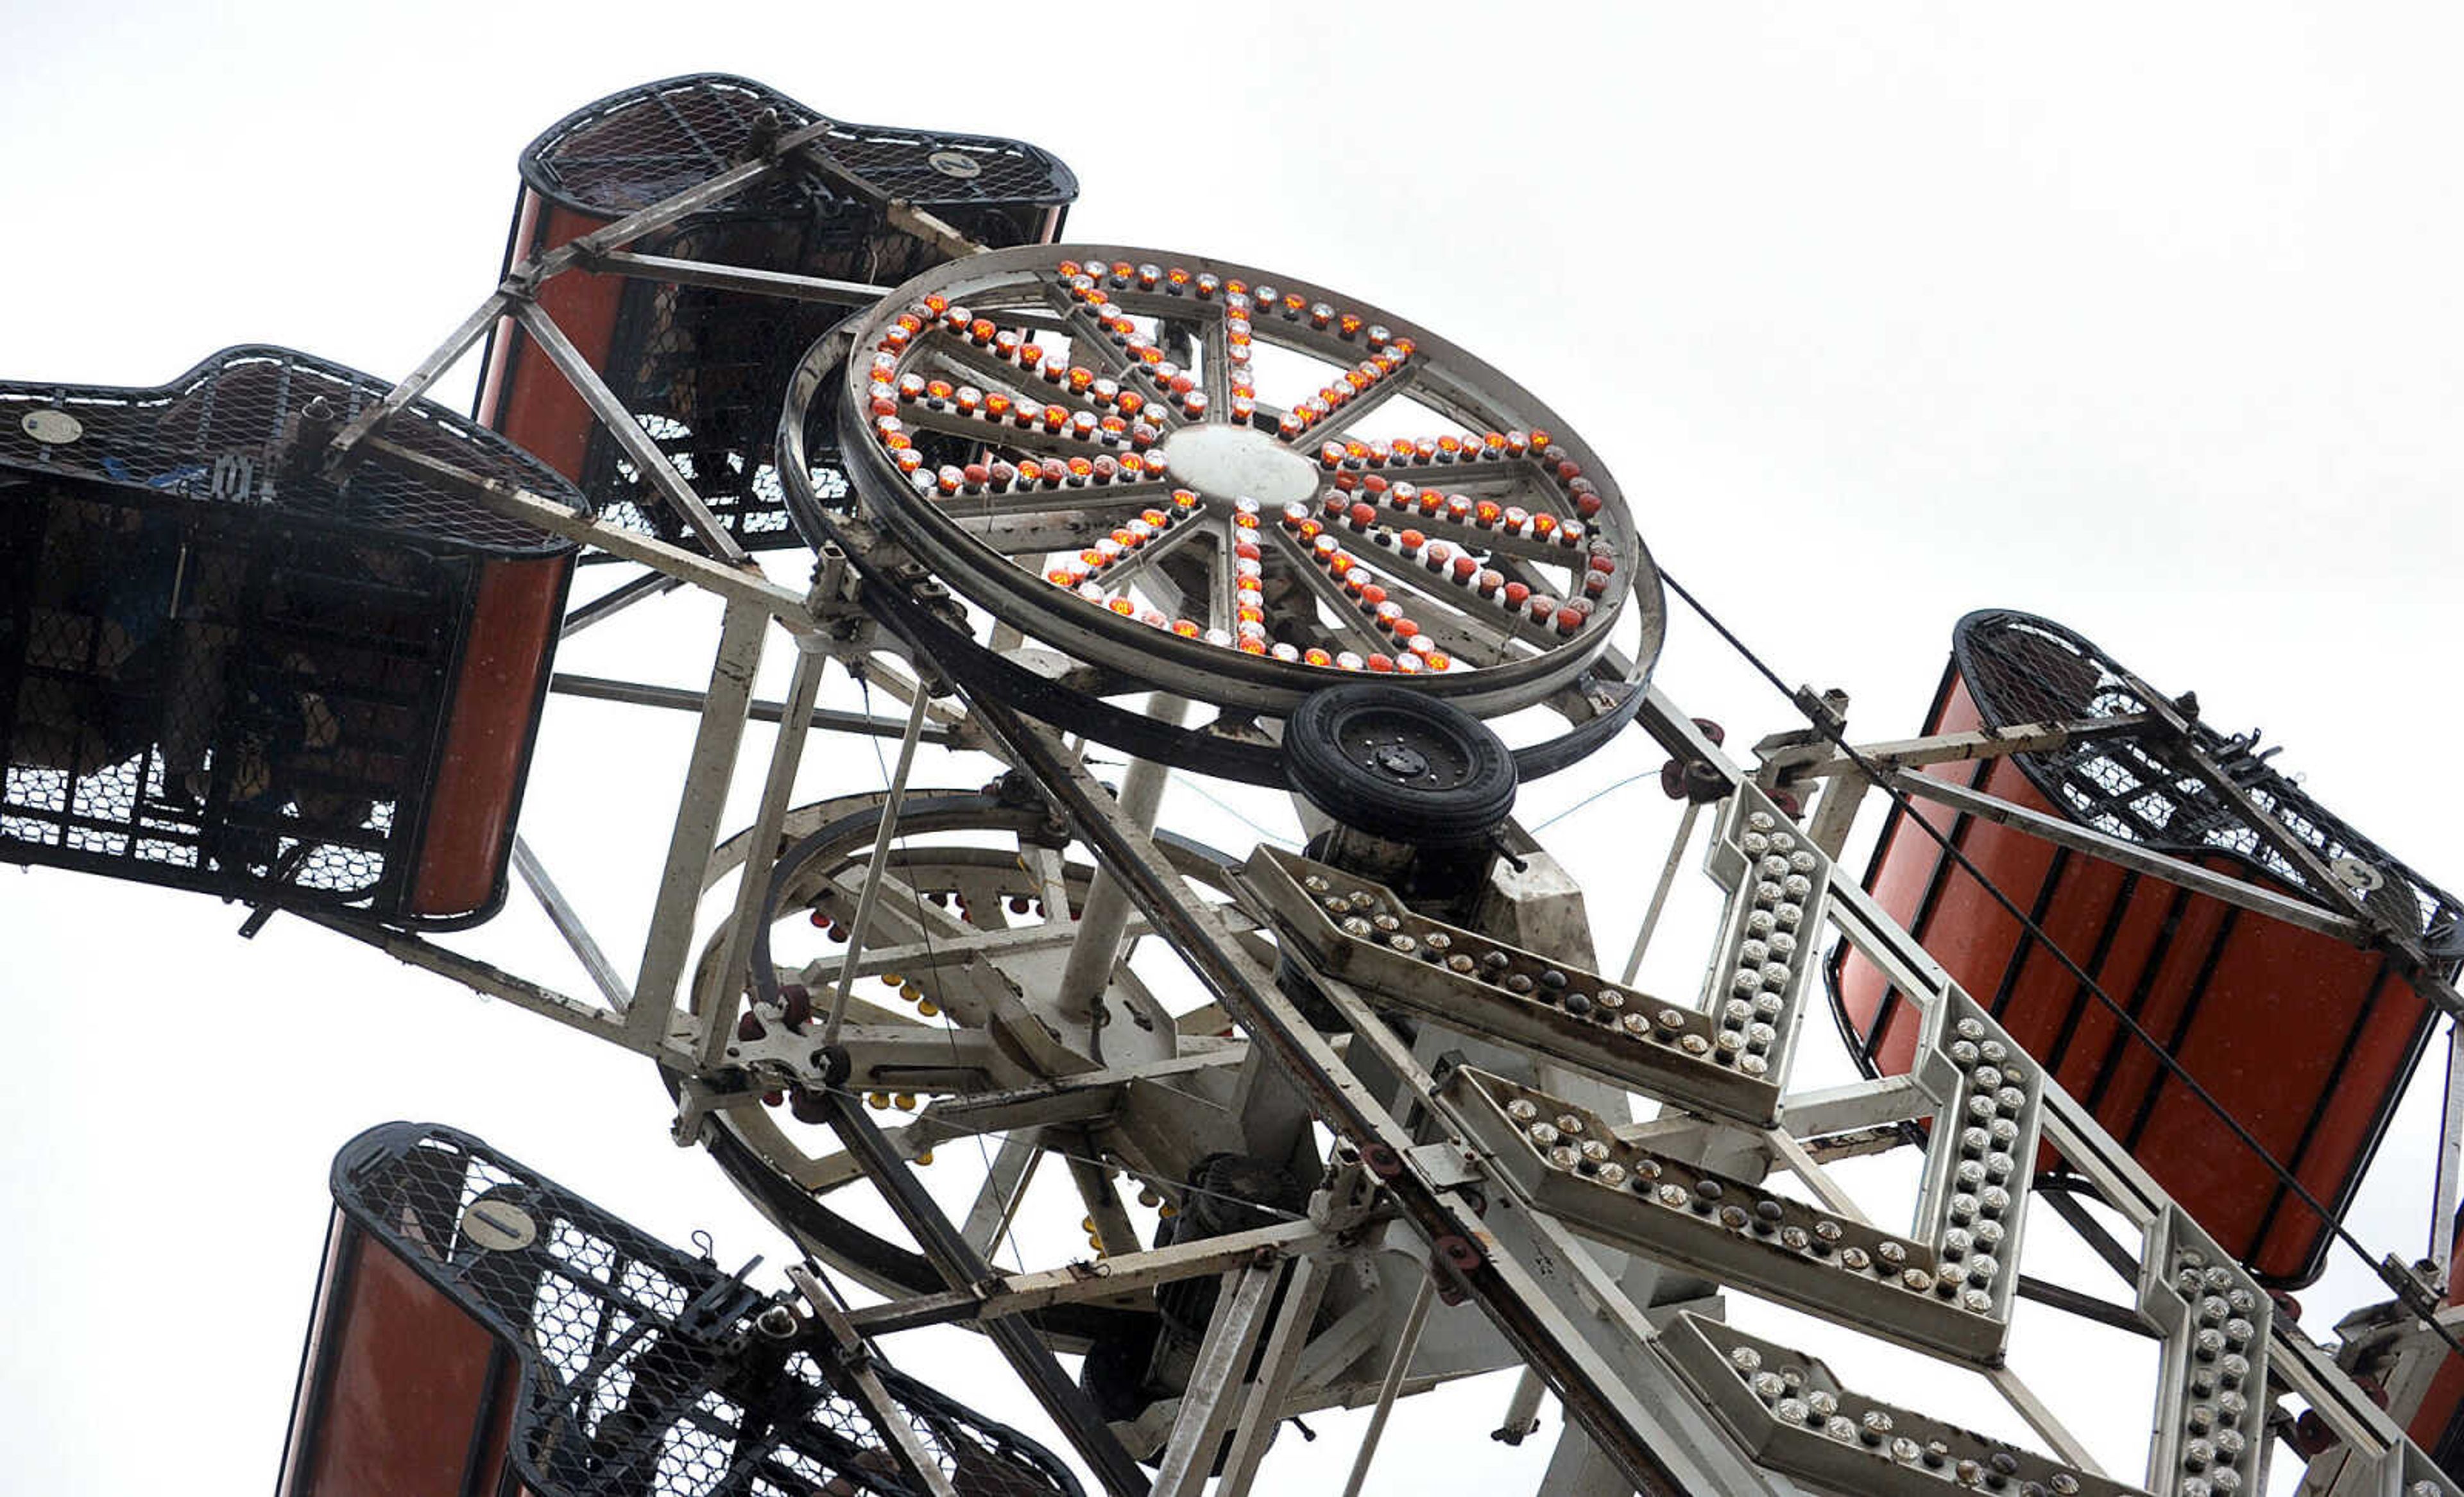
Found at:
(2142, 318)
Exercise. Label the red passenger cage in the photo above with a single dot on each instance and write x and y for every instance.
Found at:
(2304, 1040)
(220, 671)
(704, 370)
(479, 1328)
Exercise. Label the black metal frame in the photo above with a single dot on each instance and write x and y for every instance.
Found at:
(2162, 801)
(673, 1366)
(708, 123)
(2057, 775)
(251, 592)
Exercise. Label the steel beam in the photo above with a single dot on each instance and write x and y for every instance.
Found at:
(1215, 1382)
(850, 1368)
(1002, 945)
(1113, 1228)
(931, 227)
(648, 459)
(1659, 892)
(614, 600)
(736, 584)
(1952, 748)
(716, 189)
(496, 982)
(1407, 1340)
(997, 1199)
(2133, 856)
(960, 1265)
(1114, 1277)
(1262, 1410)
(577, 935)
(676, 699)
(345, 448)
(753, 881)
(2451, 1156)
(877, 872)
(708, 777)
(740, 277)
(1105, 918)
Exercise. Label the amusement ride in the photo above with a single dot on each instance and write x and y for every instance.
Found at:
(2105, 1032)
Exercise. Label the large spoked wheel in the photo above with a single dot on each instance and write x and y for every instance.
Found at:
(961, 996)
(1174, 473)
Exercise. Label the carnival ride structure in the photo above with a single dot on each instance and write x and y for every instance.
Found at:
(282, 633)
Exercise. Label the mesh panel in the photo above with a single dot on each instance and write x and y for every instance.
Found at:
(217, 676)
(631, 149)
(704, 370)
(212, 702)
(215, 434)
(644, 1373)
(945, 172)
(2139, 786)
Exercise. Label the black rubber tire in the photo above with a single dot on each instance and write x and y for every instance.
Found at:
(1227, 1193)
(1237, 1192)
(1448, 781)
(1114, 1374)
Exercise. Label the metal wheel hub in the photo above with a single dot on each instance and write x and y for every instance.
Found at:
(1241, 462)
(1401, 761)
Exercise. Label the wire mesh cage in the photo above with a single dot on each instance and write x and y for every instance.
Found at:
(2237, 1054)
(704, 370)
(478, 1323)
(2141, 786)
(222, 671)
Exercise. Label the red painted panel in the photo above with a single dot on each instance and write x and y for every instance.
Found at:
(2304, 1040)
(526, 398)
(407, 1373)
(488, 737)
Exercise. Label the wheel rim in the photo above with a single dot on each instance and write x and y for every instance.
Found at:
(772, 1159)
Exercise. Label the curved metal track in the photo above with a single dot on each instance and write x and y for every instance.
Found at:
(956, 980)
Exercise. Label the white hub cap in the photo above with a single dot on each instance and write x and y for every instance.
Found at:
(1227, 462)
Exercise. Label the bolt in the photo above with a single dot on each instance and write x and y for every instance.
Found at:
(778, 1322)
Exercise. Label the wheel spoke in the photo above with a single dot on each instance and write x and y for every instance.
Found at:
(1399, 383)
(1219, 617)
(1490, 634)
(1066, 499)
(1213, 346)
(1086, 339)
(1145, 558)
(1347, 623)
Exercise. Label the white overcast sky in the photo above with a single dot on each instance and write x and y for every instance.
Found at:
(2144, 317)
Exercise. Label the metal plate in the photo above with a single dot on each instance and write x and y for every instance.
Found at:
(498, 1224)
(53, 428)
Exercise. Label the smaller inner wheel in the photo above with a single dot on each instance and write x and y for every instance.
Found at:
(1237, 486)
(1399, 766)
